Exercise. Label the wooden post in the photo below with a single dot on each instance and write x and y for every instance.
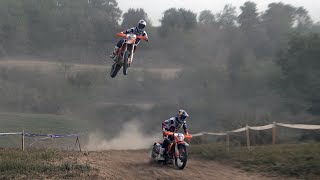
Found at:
(228, 142)
(274, 133)
(52, 141)
(22, 142)
(77, 141)
(248, 137)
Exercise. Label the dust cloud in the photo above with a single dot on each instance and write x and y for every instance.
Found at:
(130, 138)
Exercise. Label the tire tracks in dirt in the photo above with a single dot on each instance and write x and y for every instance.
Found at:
(135, 164)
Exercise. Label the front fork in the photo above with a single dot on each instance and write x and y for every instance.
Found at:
(131, 55)
(176, 150)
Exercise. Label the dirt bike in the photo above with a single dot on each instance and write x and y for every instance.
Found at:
(124, 56)
(177, 150)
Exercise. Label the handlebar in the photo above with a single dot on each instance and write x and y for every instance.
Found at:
(142, 37)
(188, 136)
(121, 34)
(168, 133)
(124, 35)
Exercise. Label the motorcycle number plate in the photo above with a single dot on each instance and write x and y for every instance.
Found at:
(180, 137)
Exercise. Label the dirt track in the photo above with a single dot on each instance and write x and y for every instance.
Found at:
(136, 165)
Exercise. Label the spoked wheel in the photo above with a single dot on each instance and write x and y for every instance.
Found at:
(114, 69)
(181, 160)
(125, 63)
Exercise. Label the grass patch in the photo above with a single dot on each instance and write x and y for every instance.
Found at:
(12, 121)
(298, 160)
(39, 124)
(39, 164)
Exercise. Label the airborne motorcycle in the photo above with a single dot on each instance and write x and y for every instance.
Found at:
(177, 150)
(124, 56)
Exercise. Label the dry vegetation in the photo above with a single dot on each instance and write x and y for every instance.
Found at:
(39, 164)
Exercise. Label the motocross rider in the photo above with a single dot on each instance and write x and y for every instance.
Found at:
(139, 31)
(173, 125)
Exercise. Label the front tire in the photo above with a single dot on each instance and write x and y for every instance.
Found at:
(181, 161)
(125, 63)
(114, 69)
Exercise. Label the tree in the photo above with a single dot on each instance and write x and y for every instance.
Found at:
(303, 19)
(206, 17)
(316, 27)
(278, 21)
(178, 19)
(279, 17)
(301, 76)
(132, 17)
(104, 16)
(74, 27)
(248, 19)
(39, 23)
(14, 33)
(227, 17)
(250, 25)
(2, 27)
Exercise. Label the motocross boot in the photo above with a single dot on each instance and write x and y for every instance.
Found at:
(168, 159)
(114, 53)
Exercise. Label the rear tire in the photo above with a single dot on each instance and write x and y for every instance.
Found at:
(125, 63)
(181, 161)
(114, 69)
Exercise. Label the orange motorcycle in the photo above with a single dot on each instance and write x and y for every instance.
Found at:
(124, 56)
(177, 150)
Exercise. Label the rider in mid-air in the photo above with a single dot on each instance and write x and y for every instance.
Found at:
(139, 31)
(173, 125)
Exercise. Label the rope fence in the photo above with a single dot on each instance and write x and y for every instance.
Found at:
(203, 135)
(42, 137)
(247, 129)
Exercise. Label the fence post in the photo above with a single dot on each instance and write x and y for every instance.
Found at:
(248, 137)
(274, 133)
(78, 141)
(22, 142)
(228, 141)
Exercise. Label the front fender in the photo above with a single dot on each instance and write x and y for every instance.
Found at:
(183, 143)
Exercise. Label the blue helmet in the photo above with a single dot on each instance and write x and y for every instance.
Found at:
(182, 115)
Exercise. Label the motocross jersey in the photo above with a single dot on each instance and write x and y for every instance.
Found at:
(137, 32)
(173, 125)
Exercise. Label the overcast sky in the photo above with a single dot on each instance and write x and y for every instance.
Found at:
(155, 8)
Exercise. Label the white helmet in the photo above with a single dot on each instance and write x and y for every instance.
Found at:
(142, 24)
